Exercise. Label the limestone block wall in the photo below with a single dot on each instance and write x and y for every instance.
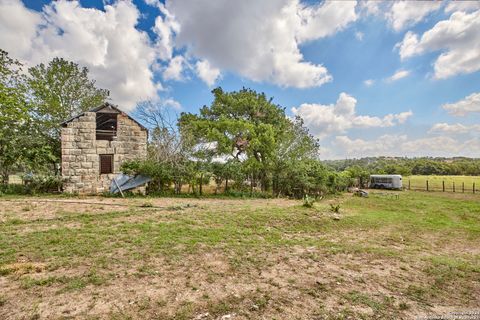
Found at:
(81, 152)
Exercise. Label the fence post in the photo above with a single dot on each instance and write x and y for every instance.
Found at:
(443, 185)
(427, 185)
(473, 187)
(453, 186)
(463, 187)
(409, 184)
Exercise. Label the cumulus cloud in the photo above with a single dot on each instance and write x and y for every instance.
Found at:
(18, 26)
(403, 14)
(362, 148)
(401, 146)
(118, 55)
(165, 27)
(260, 39)
(318, 21)
(456, 128)
(206, 72)
(467, 105)
(371, 7)
(172, 103)
(465, 6)
(399, 75)
(323, 120)
(458, 38)
(400, 14)
(174, 69)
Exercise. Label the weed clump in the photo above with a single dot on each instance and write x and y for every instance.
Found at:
(335, 207)
(308, 202)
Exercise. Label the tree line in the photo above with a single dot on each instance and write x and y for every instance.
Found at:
(242, 143)
(410, 166)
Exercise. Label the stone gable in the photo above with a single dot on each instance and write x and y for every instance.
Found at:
(81, 151)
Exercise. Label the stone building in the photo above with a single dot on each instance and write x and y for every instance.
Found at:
(94, 146)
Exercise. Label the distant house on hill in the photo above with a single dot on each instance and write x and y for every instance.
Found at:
(94, 146)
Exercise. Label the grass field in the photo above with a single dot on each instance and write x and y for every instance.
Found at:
(435, 182)
(103, 258)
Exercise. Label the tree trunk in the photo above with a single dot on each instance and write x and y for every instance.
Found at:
(252, 180)
(201, 184)
(226, 185)
(5, 176)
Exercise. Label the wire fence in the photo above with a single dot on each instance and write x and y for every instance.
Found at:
(443, 186)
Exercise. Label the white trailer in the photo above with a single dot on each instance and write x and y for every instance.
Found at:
(386, 181)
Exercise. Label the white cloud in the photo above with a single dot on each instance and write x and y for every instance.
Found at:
(207, 73)
(118, 55)
(165, 27)
(399, 75)
(456, 128)
(400, 14)
(152, 3)
(409, 46)
(465, 6)
(370, 7)
(467, 105)
(322, 20)
(362, 148)
(402, 117)
(18, 26)
(441, 145)
(323, 120)
(459, 40)
(359, 35)
(369, 82)
(260, 39)
(172, 103)
(401, 146)
(403, 14)
(174, 69)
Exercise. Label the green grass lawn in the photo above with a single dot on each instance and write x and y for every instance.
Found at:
(380, 258)
(435, 182)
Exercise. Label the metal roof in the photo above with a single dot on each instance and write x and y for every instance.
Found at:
(103, 106)
(385, 175)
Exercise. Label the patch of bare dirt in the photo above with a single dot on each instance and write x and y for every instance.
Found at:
(298, 284)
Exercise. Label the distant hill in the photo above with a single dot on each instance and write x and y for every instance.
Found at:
(409, 166)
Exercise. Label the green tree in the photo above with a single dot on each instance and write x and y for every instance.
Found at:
(14, 117)
(359, 173)
(296, 151)
(59, 91)
(243, 125)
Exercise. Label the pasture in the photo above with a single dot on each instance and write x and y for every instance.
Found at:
(435, 183)
(165, 258)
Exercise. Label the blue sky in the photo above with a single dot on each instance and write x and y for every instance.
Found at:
(368, 77)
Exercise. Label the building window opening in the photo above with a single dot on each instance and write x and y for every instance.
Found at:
(106, 163)
(106, 126)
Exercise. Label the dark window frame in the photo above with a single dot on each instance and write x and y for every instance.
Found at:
(103, 164)
(106, 125)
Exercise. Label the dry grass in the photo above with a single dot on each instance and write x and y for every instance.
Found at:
(385, 258)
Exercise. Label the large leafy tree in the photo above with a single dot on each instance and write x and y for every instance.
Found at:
(21, 143)
(247, 126)
(296, 153)
(13, 114)
(60, 90)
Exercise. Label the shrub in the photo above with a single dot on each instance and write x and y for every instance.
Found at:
(35, 184)
(335, 207)
(308, 202)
